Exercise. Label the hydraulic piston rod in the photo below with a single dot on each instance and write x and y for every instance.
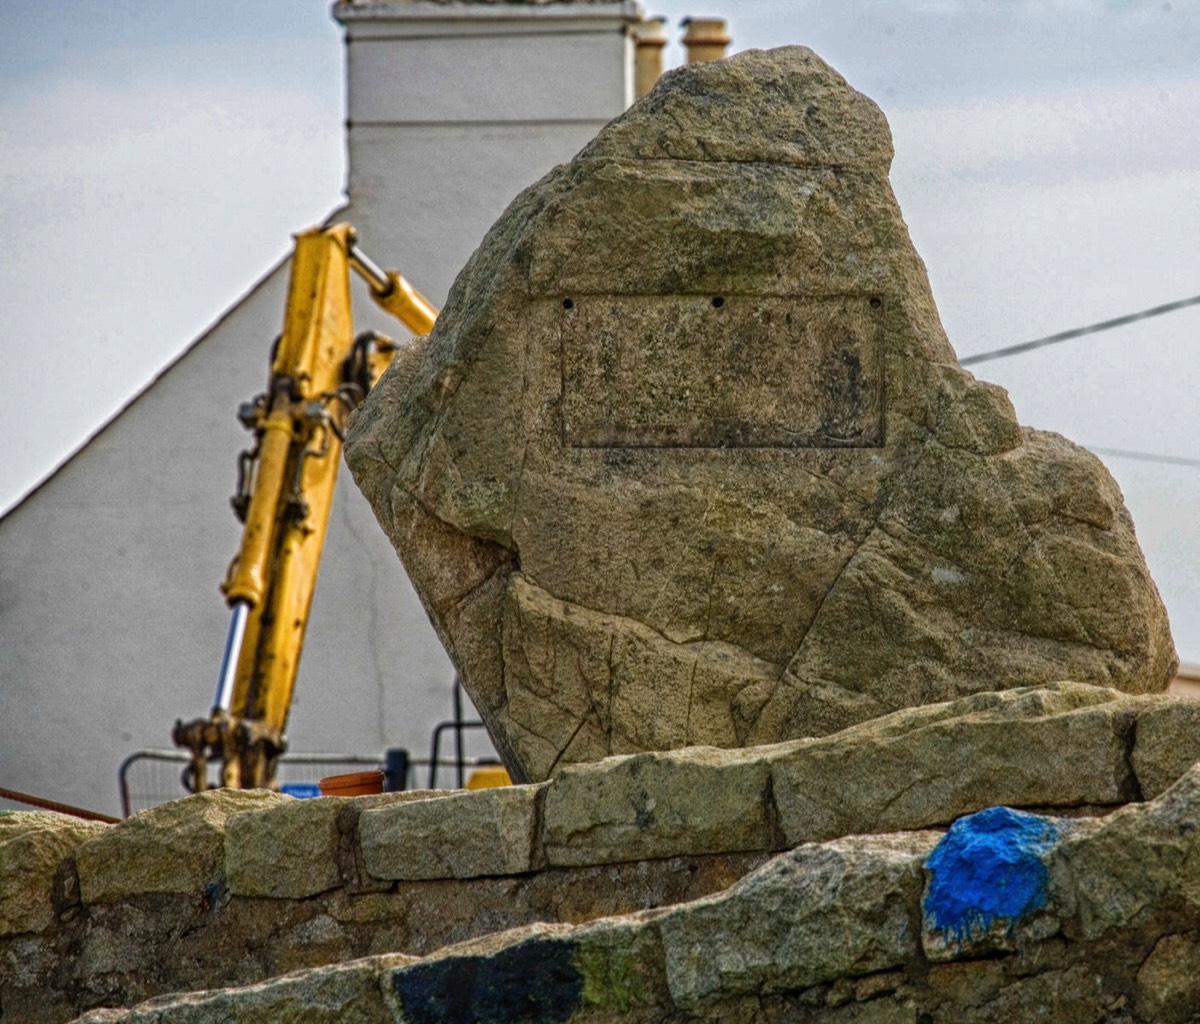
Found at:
(391, 291)
(367, 268)
(229, 659)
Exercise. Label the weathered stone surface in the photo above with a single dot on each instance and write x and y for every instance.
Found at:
(33, 845)
(340, 994)
(833, 932)
(465, 835)
(813, 915)
(1061, 745)
(1167, 743)
(1166, 982)
(285, 851)
(836, 932)
(1002, 879)
(1143, 857)
(700, 800)
(828, 925)
(1032, 917)
(296, 849)
(605, 971)
(175, 847)
(112, 954)
(687, 459)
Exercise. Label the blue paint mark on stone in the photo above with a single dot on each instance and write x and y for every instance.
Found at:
(535, 982)
(988, 867)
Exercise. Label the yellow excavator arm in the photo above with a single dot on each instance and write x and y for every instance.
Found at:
(319, 372)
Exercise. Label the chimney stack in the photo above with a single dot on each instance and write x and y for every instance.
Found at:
(705, 39)
(650, 36)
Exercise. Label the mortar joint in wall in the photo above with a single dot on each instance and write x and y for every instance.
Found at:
(352, 870)
(537, 844)
(65, 896)
(777, 838)
(1125, 725)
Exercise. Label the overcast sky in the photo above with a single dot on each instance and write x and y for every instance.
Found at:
(156, 156)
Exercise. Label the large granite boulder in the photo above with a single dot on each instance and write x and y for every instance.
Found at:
(689, 460)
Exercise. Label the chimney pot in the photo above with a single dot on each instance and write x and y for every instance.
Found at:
(705, 39)
(650, 36)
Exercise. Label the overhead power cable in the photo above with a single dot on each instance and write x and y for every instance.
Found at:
(1122, 453)
(1054, 339)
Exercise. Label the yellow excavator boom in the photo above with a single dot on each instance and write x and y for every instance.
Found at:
(319, 372)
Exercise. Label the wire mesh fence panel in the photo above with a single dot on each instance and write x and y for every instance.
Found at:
(152, 777)
(148, 778)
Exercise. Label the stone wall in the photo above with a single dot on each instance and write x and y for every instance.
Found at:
(1080, 920)
(232, 888)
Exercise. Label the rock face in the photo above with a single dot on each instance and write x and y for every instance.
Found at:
(175, 847)
(33, 845)
(689, 460)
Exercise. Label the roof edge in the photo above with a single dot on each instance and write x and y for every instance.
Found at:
(161, 373)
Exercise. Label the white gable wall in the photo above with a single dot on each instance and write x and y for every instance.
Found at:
(111, 625)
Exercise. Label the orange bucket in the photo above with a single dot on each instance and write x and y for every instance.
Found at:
(353, 784)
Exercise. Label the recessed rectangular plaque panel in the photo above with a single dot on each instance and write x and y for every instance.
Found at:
(722, 371)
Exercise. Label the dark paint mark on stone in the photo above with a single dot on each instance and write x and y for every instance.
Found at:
(988, 867)
(535, 982)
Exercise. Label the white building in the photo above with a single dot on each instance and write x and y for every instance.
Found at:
(111, 625)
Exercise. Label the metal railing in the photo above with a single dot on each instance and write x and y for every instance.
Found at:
(148, 778)
(459, 725)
